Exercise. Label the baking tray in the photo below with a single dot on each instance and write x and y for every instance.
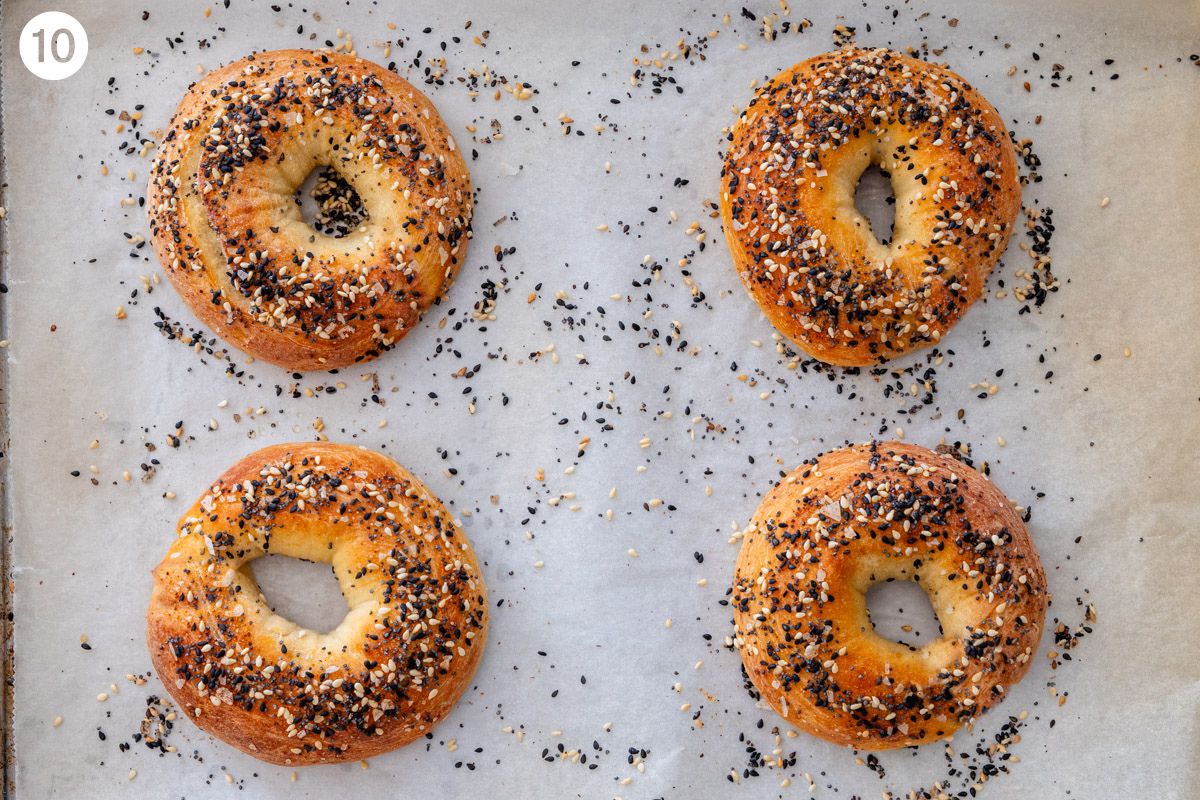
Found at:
(577, 693)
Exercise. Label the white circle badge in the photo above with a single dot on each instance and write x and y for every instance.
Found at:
(53, 45)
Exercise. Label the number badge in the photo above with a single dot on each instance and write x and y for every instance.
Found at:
(53, 45)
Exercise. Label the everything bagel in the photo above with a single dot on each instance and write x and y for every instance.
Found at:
(392, 669)
(803, 251)
(230, 235)
(881, 512)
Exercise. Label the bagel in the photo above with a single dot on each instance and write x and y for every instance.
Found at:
(882, 512)
(803, 251)
(229, 232)
(387, 674)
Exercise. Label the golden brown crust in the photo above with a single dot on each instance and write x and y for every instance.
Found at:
(877, 512)
(386, 675)
(231, 238)
(805, 253)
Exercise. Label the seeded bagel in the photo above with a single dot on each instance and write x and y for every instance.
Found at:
(393, 668)
(883, 512)
(230, 234)
(808, 256)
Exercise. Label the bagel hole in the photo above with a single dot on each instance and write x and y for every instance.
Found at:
(329, 204)
(305, 592)
(875, 200)
(900, 610)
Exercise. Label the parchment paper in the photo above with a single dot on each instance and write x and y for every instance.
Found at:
(1103, 451)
